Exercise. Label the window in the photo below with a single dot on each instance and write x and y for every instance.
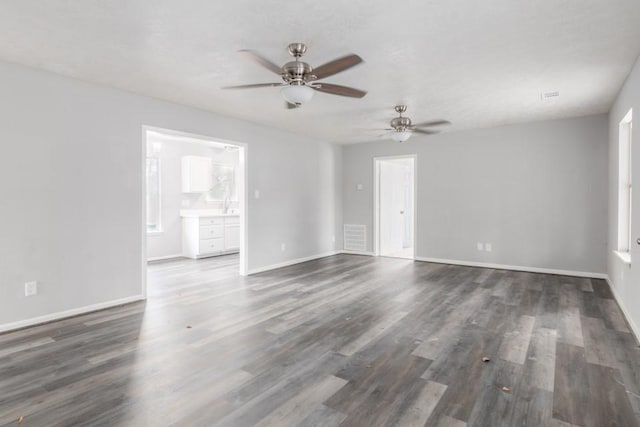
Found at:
(224, 183)
(624, 188)
(154, 224)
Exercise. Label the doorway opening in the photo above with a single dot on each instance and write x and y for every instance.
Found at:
(394, 206)
(194, 204)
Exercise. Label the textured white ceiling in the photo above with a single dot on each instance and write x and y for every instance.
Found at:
(476, 63)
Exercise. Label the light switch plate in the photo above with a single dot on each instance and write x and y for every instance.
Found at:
(359, 187)
(487, 247)
(256, 194)
(479, 246)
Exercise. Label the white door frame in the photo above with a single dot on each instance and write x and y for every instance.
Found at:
(376, 200)
(242, 195)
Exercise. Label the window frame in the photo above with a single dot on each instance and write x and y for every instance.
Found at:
(625, 188)
(159, 229)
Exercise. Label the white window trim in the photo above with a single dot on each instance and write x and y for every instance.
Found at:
(625, 257)
(625, 189)
(160, 229)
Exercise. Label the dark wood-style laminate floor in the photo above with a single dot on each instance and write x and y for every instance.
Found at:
(344, 340)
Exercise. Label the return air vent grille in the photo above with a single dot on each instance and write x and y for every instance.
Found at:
(355, 237)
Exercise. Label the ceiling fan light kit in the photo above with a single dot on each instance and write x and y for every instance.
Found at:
(400, 136)
(297, 94)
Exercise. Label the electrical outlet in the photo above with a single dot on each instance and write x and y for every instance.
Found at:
(333, 239)
(283, 247)
(30, 289)
(479, 246)
(487, 247)
(359, 187)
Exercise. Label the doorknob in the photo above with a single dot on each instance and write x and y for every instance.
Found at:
(638, 240)
(402, 213)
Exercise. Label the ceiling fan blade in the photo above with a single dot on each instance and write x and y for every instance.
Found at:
(336, 66)
(339, 90)
(253, 86)
(433, 123)
(425, 132)
(290, 106)
(254, 56)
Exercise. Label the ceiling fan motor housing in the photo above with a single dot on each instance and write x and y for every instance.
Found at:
(297, 71)
(400, 123)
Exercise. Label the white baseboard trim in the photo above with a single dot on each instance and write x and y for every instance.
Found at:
(67, 313)
(498, 266)
(162, 258)
(357, 253)
(515, 268)
(634, 328)
(290, 262)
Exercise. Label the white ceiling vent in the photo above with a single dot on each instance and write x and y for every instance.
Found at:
(355, 237)
(548, 96)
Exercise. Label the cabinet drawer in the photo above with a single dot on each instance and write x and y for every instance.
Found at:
(211, 232)
(211, 245)
(211, 221)
(232, 220)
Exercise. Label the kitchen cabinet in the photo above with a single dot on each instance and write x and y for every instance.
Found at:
(205, 236)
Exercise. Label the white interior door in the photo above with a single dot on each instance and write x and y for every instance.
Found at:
(392, 176)
(408, 207)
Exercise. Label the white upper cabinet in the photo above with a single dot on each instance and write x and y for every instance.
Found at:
(197, 176)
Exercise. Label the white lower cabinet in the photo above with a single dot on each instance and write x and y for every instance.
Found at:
(210, 236)
(232, 236)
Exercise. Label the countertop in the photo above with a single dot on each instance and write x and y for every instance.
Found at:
(197, 213)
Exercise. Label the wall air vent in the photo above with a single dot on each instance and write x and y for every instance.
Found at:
(355, 237)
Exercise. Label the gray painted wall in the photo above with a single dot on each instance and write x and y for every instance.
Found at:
(625, 279)
(71, 189)
(537, 192)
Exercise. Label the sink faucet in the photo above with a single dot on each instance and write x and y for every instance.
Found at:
(226, 204)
